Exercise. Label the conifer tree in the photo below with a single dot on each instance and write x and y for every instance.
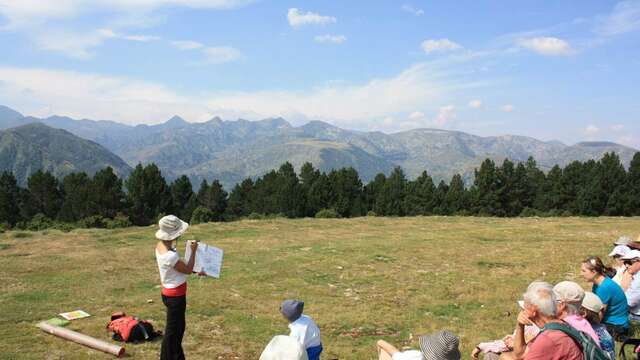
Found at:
(457, 198)
(420, 197)
(240, 198)
(76, 190)
(107, 197)
(390, 200)
(43, 195)
(148, 194)
(181, 192)
(633, 186)
(9, 199)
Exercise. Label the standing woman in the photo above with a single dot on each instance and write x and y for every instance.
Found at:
(615, 309)
(173, 276)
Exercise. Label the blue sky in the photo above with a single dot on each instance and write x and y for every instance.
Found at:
(553, 70)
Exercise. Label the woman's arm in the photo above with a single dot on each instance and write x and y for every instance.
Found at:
(386, 350)
(187, 268)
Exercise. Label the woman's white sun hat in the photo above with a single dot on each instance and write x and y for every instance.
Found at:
(171, 227)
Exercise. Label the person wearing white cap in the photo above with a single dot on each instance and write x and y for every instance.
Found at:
(617, 253)
(569, 295)
(616, 311)
(591, 310)
(173, 276)
(632, 278)
(623, 240)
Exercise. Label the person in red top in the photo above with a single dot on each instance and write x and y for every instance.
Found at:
(540, 309)
(173, 276)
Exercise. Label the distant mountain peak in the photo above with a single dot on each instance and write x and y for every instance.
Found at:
(175, 121)
(277, 122)
(6, 111)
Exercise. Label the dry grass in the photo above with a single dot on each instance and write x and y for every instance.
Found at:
(362, 279)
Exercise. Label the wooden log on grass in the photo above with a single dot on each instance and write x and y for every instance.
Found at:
(82, 339)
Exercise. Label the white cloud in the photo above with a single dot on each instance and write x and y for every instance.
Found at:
(440, 45)
(212, 54)
(141, 38)
(297, 18)
(411, 9)
(507, 108)
(81, 45)
(475, 104)
(362, 106)
(548, 46)
(417, 115)
(591, 130)
(43, 92)
(221, 54)
(331, 39)
(617, 127)
(187, 45)
(624, 18)
(446, 114)
(25, 12)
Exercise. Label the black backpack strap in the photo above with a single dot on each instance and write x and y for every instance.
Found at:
(140, 324)
(632, 342)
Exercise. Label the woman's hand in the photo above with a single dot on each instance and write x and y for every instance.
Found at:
(475, 353)
(202, 273)
(194, 246)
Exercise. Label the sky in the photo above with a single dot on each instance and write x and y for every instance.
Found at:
(554, 70)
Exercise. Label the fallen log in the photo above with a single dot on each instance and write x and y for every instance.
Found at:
(82, 339)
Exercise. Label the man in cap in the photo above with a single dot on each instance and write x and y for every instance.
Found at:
(631, 283)
(569, 296)
(540, 309)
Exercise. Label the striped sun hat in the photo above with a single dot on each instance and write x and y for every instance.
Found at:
(441, 345)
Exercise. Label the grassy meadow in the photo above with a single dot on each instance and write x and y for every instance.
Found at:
(362, 279)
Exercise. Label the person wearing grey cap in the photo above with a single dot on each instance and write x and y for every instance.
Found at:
(302, 327)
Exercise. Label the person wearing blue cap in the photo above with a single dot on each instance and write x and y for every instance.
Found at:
(302, 327)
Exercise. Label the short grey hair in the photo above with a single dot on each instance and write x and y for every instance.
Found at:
(540, 294)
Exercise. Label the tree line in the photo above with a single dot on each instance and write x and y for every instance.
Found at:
(590, 188)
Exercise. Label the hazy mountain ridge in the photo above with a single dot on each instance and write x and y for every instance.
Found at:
(234, 150)
(28, 148)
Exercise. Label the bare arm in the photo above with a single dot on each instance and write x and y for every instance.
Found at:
(519, 344)
(386, 350)
(188, 267)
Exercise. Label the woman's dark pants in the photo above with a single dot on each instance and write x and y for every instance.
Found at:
(174, 329)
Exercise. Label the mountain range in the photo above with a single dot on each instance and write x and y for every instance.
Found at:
(234, 150)
(28, 148)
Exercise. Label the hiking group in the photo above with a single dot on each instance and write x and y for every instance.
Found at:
(555, 322)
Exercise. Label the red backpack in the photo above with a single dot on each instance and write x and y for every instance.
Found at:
(130, 329)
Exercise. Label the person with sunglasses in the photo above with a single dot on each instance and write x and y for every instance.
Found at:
(632, 259)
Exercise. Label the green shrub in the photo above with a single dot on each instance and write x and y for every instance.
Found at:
(201, 215)
(39, 222)
(327, 214)
(371, 213)
(255, 216)
(95, 221)
(4, 227)
(529, 212)
(64, 227)
(119, 221)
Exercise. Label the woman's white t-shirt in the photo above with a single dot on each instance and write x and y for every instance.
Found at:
(169, 276)
(408, 355)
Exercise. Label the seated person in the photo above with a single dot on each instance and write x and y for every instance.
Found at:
(615, 309)
(616, 254)
(632, 278)
(441, 345)
(592, 308)
(540, 309)
(569, 296)
(493, 349)
(303, 328)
